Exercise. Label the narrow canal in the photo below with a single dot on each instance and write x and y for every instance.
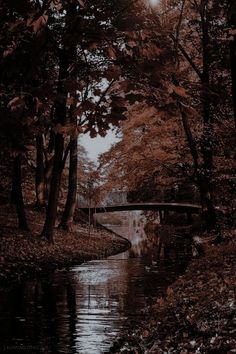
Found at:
(83, 309)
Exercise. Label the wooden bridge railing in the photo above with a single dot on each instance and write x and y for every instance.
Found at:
(177, 207)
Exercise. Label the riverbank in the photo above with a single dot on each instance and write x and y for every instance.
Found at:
(25, 254)
(198, 313)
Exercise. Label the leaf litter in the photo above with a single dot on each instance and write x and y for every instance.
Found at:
(198, 312)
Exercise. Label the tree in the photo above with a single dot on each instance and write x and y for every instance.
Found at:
(23, 47)
(39, 173)
(194, 57)
(203, 16)
(39, 51)
(151, 157)
(90, 115)
(16, 129)
(70, 67)
(68, 213)
(17, 196)
(232, 38)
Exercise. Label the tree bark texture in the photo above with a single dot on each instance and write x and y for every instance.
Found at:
(39, 176)
(232, 24)
(17, 196)
(59, 118)
(207, 146)
(203, 184)
(68, 214)
(66, 58)
(51, 213)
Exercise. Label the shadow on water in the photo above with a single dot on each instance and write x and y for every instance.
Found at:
(83, 309)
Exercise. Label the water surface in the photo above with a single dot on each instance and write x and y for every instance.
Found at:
(83, 309)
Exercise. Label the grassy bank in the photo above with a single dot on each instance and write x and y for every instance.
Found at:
(198, 313)
(26, 254)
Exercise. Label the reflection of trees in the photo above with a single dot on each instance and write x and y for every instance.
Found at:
(12, 311)
(82, 310)
(148, 275)
(49, 316)
(101, 288)
(72, 310)
(39, 315)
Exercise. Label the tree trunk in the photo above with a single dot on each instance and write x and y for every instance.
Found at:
(232, 24)
(51, 213)
(207, 146)
(66, 57)
(49, 163)
(68, 214)
(17, 196)
(48, 176)
(209, 213)
(204, 172)
(233, 73)
(39, 176)
(14, 186)
(59, 118)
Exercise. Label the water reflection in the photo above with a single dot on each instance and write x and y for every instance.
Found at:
(81, 310)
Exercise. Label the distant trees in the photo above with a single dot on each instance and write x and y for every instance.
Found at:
(152, 156)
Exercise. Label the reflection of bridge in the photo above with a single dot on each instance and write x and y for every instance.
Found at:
(178, 207)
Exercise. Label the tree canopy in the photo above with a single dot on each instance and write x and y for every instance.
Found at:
(164, 76)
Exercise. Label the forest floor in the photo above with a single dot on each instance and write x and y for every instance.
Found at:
(198, 313)
(26, 254)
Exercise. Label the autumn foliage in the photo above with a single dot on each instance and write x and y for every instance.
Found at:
(163, 76)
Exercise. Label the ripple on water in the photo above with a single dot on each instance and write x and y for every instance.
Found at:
(83, 309)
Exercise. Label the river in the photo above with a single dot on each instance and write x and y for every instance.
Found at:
(84, 308)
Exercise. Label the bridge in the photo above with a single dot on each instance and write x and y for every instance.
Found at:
(177, 207)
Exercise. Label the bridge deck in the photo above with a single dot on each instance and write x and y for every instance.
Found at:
(178, 207)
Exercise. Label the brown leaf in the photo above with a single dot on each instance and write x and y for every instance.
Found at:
(70, 101)
(17, 103)
(81, 2)
(68, 129)
(93, 133)
(111, 52)
(145, 333)
(8, 52)
(180, 91)
(38, 23)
